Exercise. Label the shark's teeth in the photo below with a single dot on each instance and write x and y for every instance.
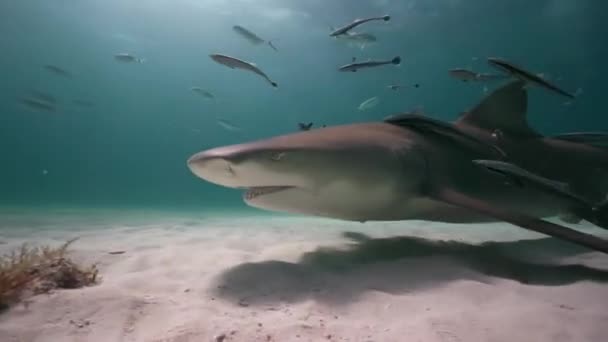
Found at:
(263, 190)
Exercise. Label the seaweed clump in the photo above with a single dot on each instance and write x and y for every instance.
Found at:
(29, 271)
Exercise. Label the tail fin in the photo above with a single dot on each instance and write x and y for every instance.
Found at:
(141, 60)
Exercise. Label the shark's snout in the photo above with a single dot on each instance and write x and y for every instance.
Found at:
(212, 167)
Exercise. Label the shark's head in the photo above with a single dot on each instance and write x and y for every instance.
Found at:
(346, 172)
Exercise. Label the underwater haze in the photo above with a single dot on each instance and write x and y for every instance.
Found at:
(118, 134)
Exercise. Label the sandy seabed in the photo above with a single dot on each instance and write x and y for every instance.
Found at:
(268, 278)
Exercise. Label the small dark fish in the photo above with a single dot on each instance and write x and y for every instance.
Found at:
(305, 127)
(202, 92)
(252, 37)
(57, 71)
(398, 86)
(128, 58)
(83, 103)
(525, 75)
(466, 75)
(235, 63)
(356, 23)
(354, 66)
(38, 105)
(42, 96)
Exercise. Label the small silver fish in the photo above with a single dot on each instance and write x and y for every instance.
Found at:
(228, 125)
(526, 76)
(203, 93)
(355, 23)
(252, 37)
(369, 103)
(354, 66)
(128, 58)
(57, 71)
(235, 63)
(38, 105)
(42, 96)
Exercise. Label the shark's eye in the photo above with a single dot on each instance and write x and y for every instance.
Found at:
(277, 156)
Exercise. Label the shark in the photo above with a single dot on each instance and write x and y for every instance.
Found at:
(488, 165)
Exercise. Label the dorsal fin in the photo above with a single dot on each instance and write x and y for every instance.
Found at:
(504, 109)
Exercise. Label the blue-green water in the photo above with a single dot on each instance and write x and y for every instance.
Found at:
(129, 148)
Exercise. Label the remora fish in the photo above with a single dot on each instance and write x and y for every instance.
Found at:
(235, 63)
(58, 71)
(354, 66)
(252, 37)
(466, 75)
(405, 169)
(356, 23)
(524, 75)
(128, 58)
(369, 103)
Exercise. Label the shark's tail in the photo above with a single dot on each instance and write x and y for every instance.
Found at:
(141, 60)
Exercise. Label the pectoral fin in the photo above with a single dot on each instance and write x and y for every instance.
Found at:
(463, 200)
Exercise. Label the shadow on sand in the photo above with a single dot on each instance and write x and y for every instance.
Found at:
(399, 265)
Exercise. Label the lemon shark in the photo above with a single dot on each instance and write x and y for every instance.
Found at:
(488, 165)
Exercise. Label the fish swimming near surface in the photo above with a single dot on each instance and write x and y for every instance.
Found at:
(128, 58)
(526, 76)
(354, 66)
(466, 75)
(355, 23)
(58, 71)
(252, 37)
(38, 105)
(416, 168)
(304, 126)
(369, 103)
(227, 125)
(235, 63)
(43, 96)
(360, 40)
(203, 93)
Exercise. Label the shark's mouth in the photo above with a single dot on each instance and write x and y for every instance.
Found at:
(253, 192)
